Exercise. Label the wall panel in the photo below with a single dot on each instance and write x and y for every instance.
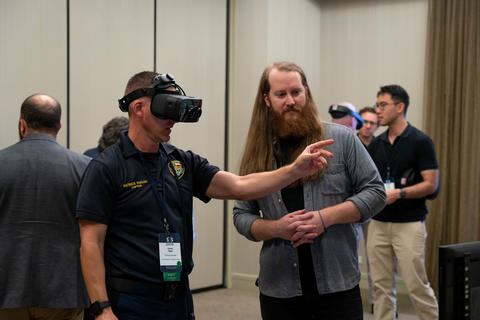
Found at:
(263, 32)
(33, 55)
(110, 40)
(366, 44)
(191, 45)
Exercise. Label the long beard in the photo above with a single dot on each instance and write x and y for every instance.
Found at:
(292, 128)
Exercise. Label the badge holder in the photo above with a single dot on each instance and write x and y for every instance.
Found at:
(170, 256)
(389, 184)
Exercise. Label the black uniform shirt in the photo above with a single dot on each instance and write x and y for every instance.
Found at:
(117, 191)
(411, 152)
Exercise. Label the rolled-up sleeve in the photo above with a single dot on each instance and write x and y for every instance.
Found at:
(369, 192)
(244, 213)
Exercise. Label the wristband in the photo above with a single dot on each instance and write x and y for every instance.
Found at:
(323, 223)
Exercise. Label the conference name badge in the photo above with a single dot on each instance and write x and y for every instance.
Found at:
(389, 184)
(170, 256)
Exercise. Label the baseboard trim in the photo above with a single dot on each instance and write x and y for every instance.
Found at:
(243, 281)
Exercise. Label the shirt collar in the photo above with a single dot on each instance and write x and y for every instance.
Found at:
(129, 149)
(405, 133)
(39, 136)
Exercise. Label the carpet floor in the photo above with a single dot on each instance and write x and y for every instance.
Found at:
(236, 304)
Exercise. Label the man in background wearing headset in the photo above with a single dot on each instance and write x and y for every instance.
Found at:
(135, 207)
(344, 113)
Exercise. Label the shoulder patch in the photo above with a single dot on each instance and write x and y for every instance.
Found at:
(176, 168)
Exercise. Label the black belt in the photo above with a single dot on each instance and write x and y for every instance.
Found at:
(165, 290)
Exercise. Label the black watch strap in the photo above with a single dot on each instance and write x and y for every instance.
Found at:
(403, 193)
(97, 307)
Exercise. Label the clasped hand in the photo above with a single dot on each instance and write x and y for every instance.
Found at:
(300, 227)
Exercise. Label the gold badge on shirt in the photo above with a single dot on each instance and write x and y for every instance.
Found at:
(176, 168)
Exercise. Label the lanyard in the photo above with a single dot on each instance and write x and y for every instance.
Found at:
(160, 166)
(390, 152)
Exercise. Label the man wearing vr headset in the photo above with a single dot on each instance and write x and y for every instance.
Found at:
(344, 113)
(135, 205)
(309, 258)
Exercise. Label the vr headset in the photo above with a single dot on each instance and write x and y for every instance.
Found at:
(166, 104)
(338, 111)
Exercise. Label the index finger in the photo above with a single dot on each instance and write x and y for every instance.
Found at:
(320, 144)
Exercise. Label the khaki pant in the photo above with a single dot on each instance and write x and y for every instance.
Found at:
(364, 230)
(406, 241)
(41, 314)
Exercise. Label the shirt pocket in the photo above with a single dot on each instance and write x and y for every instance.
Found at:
(335, 180)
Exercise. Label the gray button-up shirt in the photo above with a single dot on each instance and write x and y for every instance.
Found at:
(351, 175)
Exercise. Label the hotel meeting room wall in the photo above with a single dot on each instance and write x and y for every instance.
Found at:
(109, 41)
(263, 32)
(33, 57)
(191, 45)
(348, 49)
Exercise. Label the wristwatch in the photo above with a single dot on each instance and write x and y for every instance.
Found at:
(97, 307)
(403, 193)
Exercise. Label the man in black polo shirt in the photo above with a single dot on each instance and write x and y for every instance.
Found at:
(135, 209)
(406, 160)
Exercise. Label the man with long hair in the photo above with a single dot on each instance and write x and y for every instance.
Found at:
(136, 198)
(309, 261)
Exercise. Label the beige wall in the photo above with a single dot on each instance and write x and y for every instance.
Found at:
(347, 48)
(33, 42)
(263, 32)
(110, 40)
(369, 43)
(195, 51)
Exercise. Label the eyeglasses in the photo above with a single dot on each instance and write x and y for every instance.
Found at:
(370, 123)
(382, 105)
